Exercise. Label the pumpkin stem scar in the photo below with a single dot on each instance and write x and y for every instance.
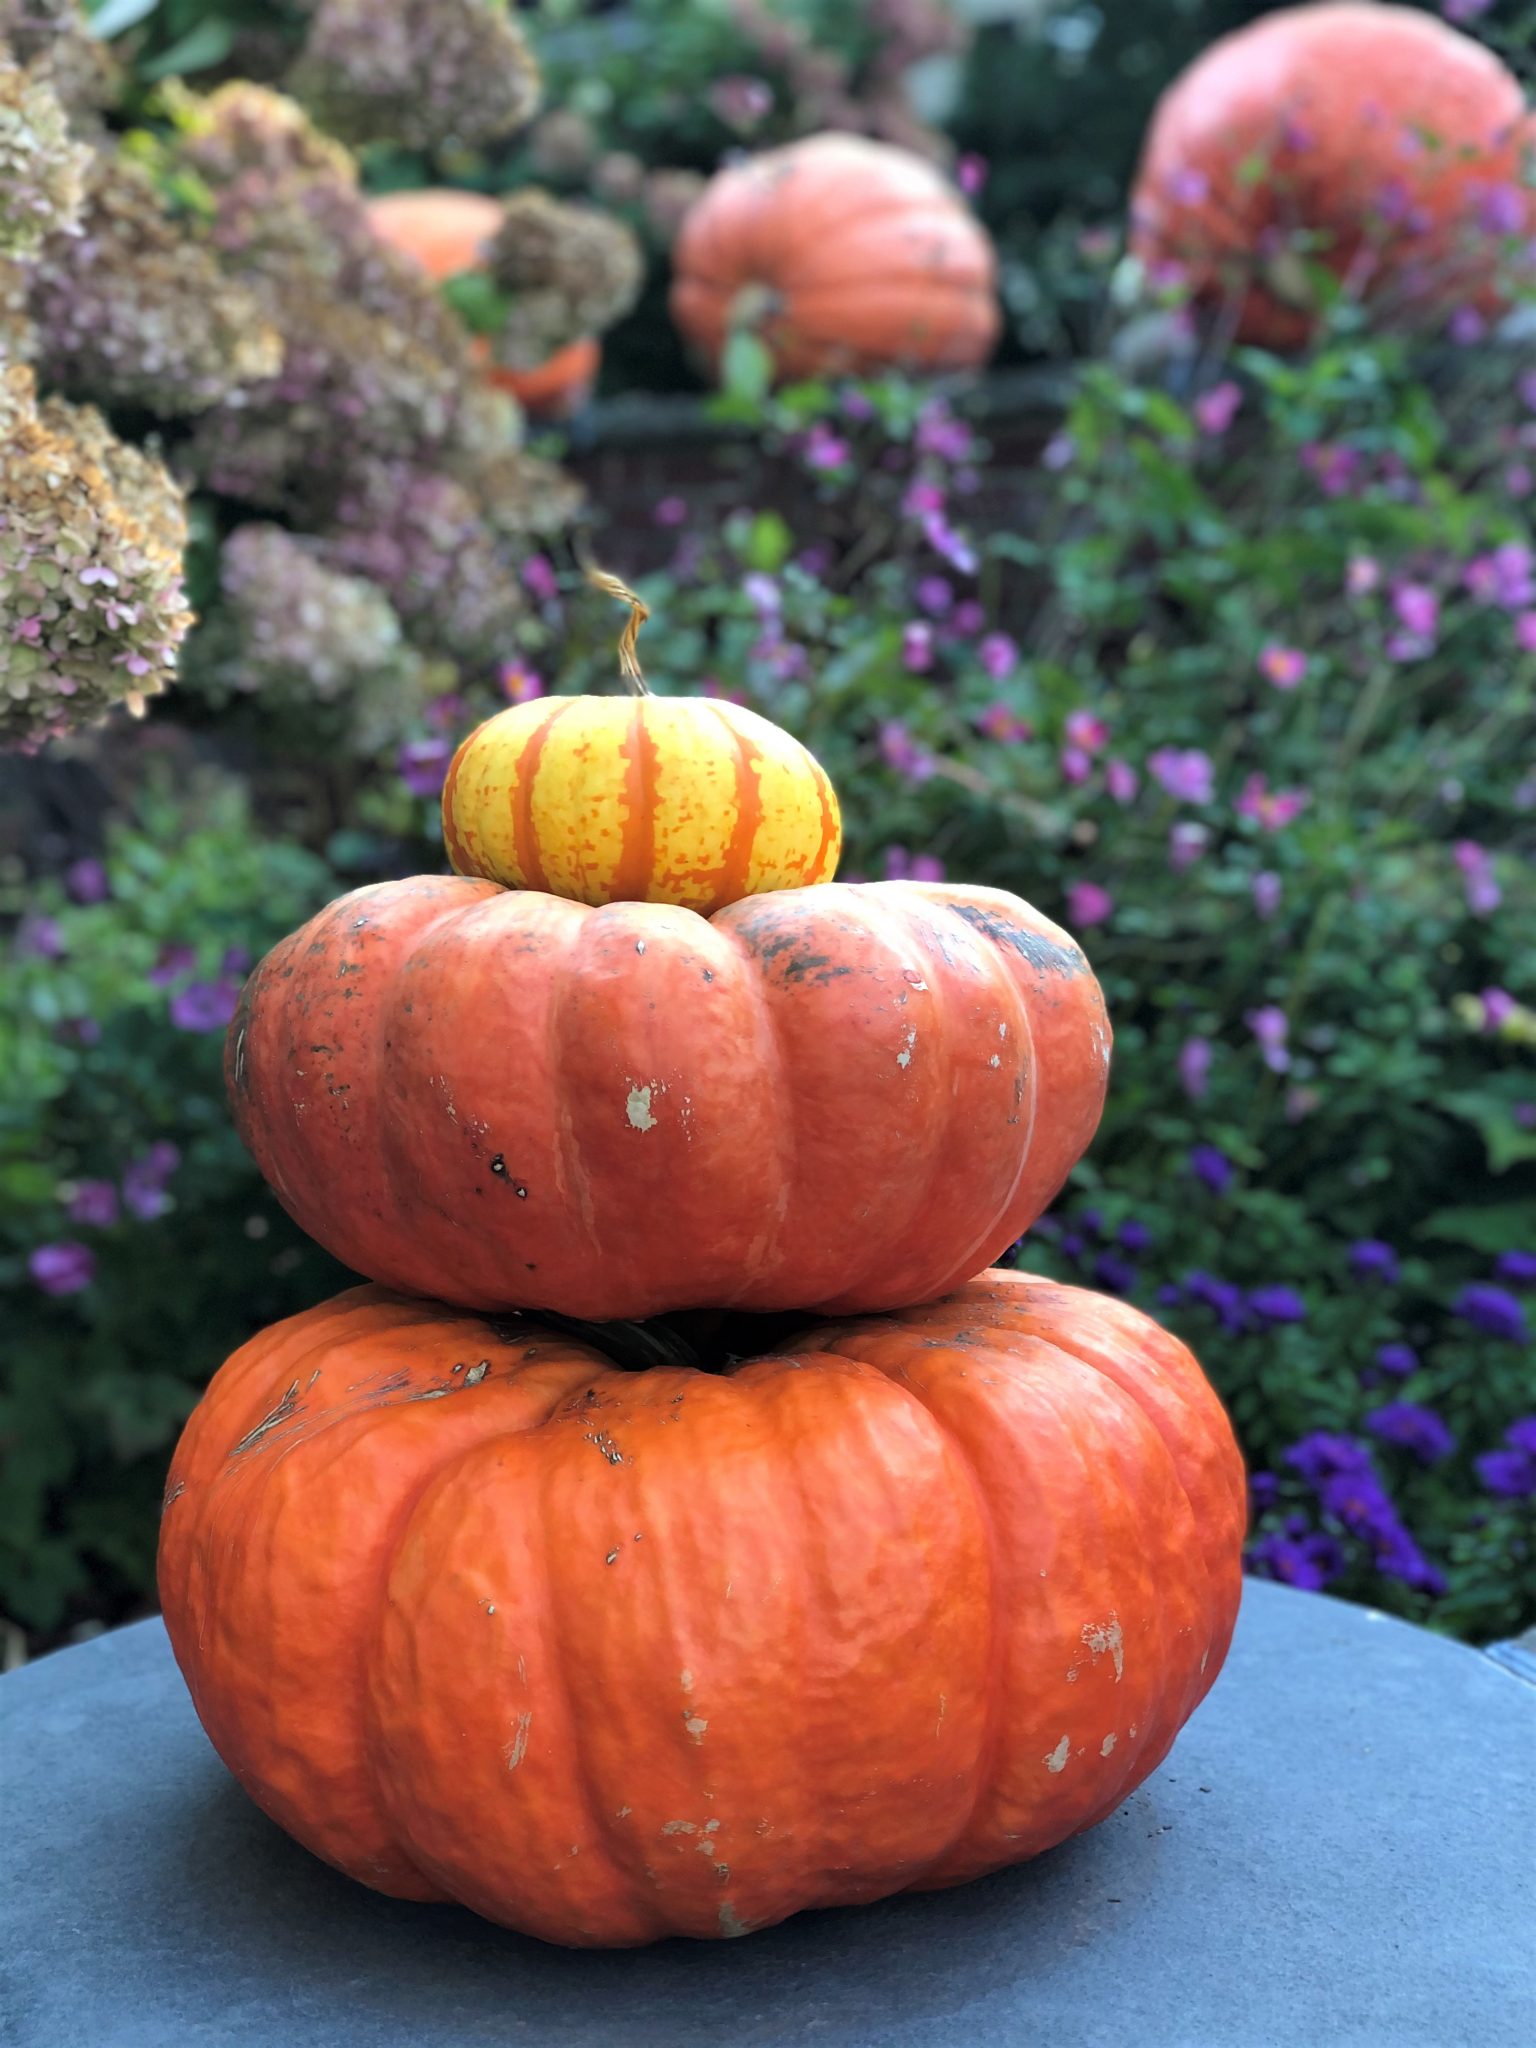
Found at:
(639, 612)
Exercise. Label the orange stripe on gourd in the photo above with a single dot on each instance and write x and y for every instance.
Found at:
(693, 802)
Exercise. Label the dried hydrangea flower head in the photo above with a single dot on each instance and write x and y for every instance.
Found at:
(427, 74)
(300, 633)
(91, 534)
(42, 169)
(568, 270)
(135, 311)
(52, 40)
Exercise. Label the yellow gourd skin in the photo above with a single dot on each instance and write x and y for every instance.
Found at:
(685, 800)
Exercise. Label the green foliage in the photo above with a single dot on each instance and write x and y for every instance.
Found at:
(94, 1073)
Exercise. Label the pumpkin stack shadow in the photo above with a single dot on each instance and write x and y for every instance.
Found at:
(685, 1527)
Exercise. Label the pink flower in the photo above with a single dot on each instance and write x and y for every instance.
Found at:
(1271, 1028)
(917, 646)
(540, 580)
(1498, 1007)
(1362, 575)
(923, 500)
(1001, 722)
(824, 449)
(1122, 781)
(1216, 409)
(901, 752)
(1088, 904)
(1272, 809)
(1076, 766)
(1285, 667)
(1083, 730)
(1195, 1066)
(519, 685)
(902, 866)
(1186, 842)
(1525, 632)
(998, 655)
(971, 174)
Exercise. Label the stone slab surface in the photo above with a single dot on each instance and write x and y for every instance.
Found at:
(1339, 1853)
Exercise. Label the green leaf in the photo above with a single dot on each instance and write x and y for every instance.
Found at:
(198, 50)
(477, 299)
(746, 367)
(1490, 1229)
(768, 543)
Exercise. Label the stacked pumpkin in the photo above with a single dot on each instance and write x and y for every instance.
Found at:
(685, 1528)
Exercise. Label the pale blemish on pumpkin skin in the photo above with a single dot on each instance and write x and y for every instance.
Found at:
(730, 1925)
(638, 1109)
(517, 1748)
(1057, 1760)
(1107, 1744)
(1105, 1635)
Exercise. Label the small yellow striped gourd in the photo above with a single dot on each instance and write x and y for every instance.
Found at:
(639, 799)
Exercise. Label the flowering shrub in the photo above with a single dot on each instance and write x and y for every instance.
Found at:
(136, 1243)
(1249, 702)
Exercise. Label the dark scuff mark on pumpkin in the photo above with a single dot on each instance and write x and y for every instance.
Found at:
(1032, 946)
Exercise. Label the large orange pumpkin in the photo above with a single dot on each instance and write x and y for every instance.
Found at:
(1377, 139)
(447, 231)
(843, 255)
(609, 1655)
(844, 1097)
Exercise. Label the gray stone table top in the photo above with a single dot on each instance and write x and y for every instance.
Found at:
(1340, 1851)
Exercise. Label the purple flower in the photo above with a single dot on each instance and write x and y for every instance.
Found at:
(172, 964)
(1263, 1491)
(1418, 608)
(1076, 765)
(1323, 1455)
(1220, 1296)
(762, 593)
(917, 646)
(63, 1268)
(1060, 452)
(144, 1180)
(1370, 1259)
(519, 685)
(1500, 209)
(1399, 1557)
(423, 764)
(1285, 667)
(1216, 409)
(1121, 780)
(998, 655)
(1498, 1007)
(1212, 1167)
(1277, 1304)
(40, 938)
(969, 618)
(823, 449)
(1083, 729)
(94, 1202)
(900, 752)
(1504, 577)
(1412, 1427)
(939, 433)
(1525, 632)
(935, 595)
(1510, 1474)
(1463, 11)
(1134, 1235)
(1088, 904)
(670, 511)
(1467, 326)
(86, 881)
(1308, 1563)
(1483, 892)
(1115, 1274)
(540, 580)
(1492, 1310)
(971, 174)
(1517, 1267)
(205, 1005)
(1270, 1027)
(1195, 1066)
(1266, 893)
(1398, 1361)
(951, 546)
(902, 866)
(1184, 772)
